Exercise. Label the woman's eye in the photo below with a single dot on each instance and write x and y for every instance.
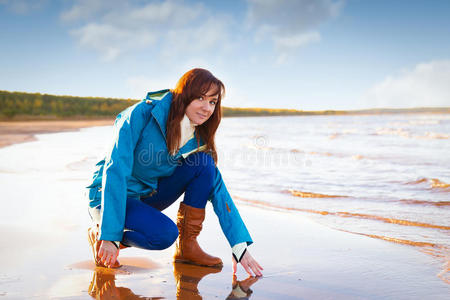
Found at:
(212, 102)
(200, 98)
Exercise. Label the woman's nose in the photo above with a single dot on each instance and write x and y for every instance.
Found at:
(207, 106)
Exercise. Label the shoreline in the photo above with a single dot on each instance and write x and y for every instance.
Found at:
(15, 132)
(301, 258)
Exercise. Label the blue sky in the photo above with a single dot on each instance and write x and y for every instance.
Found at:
(303, 54)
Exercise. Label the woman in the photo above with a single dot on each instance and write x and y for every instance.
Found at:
(164, 147)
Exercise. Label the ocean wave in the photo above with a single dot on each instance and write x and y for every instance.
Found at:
(424, 122)
(303, 152)
(434, 136)
(392, 131)
(333, 136)
(425, 202)
(393, 240)
(407, 134)
(344, 214)
(347, 131)
(432, 183)
(322, 153)
(390, 220)
(301, 194)
(339, 155)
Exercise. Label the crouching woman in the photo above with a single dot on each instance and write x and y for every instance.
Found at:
(163, 147)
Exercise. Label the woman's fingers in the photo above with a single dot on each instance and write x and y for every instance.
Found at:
(247, 269)
(108, 260)
(115, 257)
(256, 269)
(100, 253)
(249, 263)
(257, 264)
(105, 258)
(112, 260)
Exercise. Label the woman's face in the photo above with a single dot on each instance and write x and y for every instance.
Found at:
(200, 109)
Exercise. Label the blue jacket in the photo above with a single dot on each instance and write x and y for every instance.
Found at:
(136, 159)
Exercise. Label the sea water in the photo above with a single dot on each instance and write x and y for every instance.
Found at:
(382, 176)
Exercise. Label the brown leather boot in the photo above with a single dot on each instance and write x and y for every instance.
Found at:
(189, 223)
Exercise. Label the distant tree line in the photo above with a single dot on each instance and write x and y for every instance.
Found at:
(249, 112)
(17, 105)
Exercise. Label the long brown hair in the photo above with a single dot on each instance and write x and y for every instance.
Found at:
(192, 85)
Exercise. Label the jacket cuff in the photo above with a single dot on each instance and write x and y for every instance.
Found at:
(110, 236)
(239, 251)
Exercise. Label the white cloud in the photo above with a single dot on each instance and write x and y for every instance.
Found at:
(290, 24)
(23, 6)
(211, 35)
(427, 84)
(111, 40)
(178, 27)
(292, 16)
(85, 9)
(286, 45)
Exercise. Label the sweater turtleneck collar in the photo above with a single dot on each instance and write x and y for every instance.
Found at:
(187, 130)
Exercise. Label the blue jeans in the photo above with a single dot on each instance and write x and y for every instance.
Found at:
(146, 226)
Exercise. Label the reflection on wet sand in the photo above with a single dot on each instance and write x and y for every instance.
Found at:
(103, 286)
(187, 277)
(241, 289)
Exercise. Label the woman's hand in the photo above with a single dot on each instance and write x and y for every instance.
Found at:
(107, 253)
(250, 265)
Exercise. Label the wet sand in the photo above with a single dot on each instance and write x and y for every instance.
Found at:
(302, 260)
(24, 131)
(45, 253)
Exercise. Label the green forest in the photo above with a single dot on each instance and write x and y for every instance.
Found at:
(13, 104)
(19, 106)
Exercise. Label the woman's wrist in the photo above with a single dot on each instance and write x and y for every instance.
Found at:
(115, 243)
(239, 250)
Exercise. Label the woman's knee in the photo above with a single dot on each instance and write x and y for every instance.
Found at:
(202, 161)
(167, 236)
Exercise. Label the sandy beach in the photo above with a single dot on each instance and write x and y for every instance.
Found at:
(45, 254)
(24, 131)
